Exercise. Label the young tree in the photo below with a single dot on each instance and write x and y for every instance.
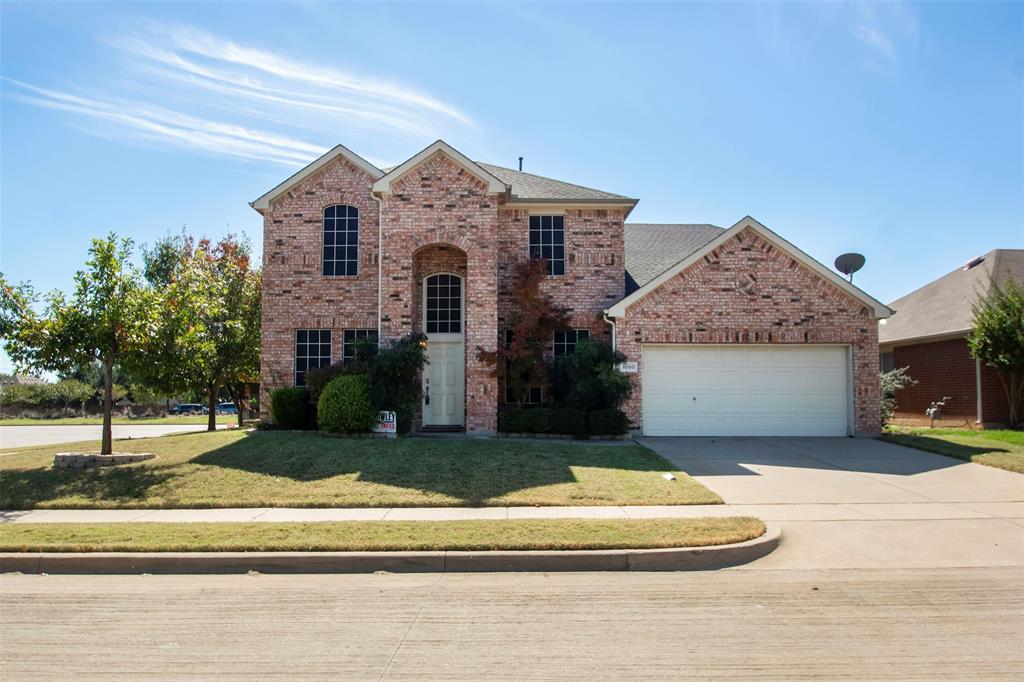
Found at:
(531, 326)
(891, 383)
(997, 339)
(73, 391)
(208, 337)
(108, 318)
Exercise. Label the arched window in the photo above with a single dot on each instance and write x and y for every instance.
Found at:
(341, 241)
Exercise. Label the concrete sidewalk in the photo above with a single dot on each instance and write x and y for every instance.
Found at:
(869, 511)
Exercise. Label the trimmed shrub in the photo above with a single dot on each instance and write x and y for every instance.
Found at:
(317, 379)
(540, 420)
(571, 421)
(288, 407)
(345, 405)
(589, 379)
(607, 422)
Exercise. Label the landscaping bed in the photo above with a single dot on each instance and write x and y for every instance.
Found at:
(548, 534)
(1003, 449)
(303, 469)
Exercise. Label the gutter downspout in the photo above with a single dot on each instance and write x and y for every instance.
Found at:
(977, 386)
(611, 321)
(380, 265)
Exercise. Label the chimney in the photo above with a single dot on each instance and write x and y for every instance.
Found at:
(520, 163)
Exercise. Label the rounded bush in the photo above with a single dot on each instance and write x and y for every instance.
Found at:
(345, 405)
(288, 407)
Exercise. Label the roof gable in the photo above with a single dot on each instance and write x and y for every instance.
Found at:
(880, 310)
(494, 185)
(263, 203)
(945, 306)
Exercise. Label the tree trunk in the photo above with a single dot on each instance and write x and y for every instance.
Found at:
(241, 402)
(211, 423)
(108, 405)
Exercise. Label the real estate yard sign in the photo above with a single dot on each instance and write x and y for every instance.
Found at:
(387, 423)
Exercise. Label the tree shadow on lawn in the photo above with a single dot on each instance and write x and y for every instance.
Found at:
(473, 471)
(119, 486)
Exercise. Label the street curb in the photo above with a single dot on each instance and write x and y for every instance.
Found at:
(672, 559)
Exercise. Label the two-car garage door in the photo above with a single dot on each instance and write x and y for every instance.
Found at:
(704, 390)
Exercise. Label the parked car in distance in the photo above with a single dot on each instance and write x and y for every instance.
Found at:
(227, 408)
(188, 408)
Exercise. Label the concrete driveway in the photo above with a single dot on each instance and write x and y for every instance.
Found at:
(852, 502)
(27, 436)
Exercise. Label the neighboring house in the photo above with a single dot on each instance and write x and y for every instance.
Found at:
(733, 331)
(928, 335)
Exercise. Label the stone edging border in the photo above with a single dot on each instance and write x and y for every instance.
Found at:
(670, 559)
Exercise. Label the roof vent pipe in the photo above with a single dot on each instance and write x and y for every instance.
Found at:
(520, 164)
(972, 263)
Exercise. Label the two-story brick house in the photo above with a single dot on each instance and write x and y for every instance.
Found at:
(733, 331)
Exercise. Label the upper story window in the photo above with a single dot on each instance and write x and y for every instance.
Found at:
(352, 336)
(547, 241)
(565, 342)
(312, 350)
(341, 241)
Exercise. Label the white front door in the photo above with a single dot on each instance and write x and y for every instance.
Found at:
(444, 378)
(745, 390)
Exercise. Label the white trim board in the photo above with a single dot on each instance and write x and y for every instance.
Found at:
(263, 203)
(880, 309)
(494, 185)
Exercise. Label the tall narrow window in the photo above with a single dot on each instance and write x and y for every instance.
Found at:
(565, 342)
(312, 350)
(341, 241)
(547, 241)
(352, 336)
(444, 304)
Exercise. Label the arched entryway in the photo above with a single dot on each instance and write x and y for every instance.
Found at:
(440, 314)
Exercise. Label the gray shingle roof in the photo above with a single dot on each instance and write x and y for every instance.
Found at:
(944, 306)
(529, 186)
(652, 249)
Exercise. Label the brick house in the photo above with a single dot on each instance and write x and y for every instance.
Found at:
(928, 335)
(728, 332)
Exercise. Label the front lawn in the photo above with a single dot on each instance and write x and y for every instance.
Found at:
(98, 421)
(287, 469)
(549, 534)
(1003, 449)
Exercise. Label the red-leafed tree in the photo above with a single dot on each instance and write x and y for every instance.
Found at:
(519, 360)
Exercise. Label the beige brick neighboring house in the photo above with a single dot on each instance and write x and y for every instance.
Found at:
(733, 331)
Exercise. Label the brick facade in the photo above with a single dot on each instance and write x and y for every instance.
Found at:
(440, 217)
(749, 292)
(946, 369)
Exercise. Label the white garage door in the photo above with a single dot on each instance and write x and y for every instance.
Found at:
(745, 390)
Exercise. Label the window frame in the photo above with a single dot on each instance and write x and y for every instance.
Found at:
(357, 334)
(351, 265)
(450, 335)
(565, 344)
(298, 381)
(553, 263)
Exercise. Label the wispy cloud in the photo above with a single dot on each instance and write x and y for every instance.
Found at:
(153, 124)
(883, 28)
(243, 102)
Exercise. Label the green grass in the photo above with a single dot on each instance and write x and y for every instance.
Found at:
(572, 534)
(1002, 449)
(286, 469)
(97, 421)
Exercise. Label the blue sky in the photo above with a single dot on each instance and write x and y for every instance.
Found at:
(893, 129)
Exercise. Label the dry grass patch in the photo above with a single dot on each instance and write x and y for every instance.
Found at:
(286, 469)
(550, 534)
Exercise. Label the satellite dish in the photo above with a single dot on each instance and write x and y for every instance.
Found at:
(849, 263)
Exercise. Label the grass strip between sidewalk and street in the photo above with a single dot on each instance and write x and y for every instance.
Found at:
(546, 534)
(182, 420)
(1000, 448)
(288, 469)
